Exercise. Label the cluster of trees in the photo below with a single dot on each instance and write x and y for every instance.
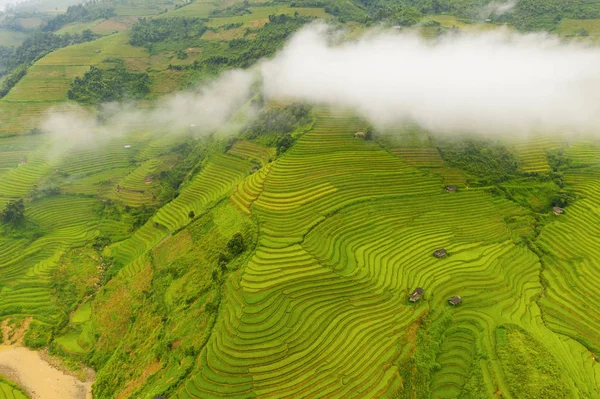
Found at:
(234, 10)
(150, 31)
(191, 152)
(99, 86)
(12, 80)
(527, 15)
(15, 61)
(267, 41)
(398, 15)
(14, 213)
(14, 19)
(79, 13)
(275, 125)
(547, 14)
(38, 45)
(490, 162)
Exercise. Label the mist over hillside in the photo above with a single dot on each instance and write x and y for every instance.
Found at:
(497, 83)
(393, 199)
(38, 5)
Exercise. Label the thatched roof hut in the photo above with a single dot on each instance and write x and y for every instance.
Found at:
(360, 135)
(440, 253)
(455, 300)
(416, 295)
(558, 210)
(451, 189)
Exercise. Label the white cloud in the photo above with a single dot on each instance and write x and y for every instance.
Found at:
(497, 8)
(491, 83)
(206, 109)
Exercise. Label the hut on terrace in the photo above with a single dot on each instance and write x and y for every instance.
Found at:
(440, 253)
(558, 211)
(450, 189)
(416, 295)
(149, 179)
(255, 169)
(360, 135)
(455, 300)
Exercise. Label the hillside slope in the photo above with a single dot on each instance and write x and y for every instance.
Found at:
(226, 265)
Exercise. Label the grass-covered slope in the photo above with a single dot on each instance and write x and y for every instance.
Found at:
(9, 390)
(347, 231)
(200, 268)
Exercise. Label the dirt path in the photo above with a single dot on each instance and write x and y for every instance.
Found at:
(38, 378)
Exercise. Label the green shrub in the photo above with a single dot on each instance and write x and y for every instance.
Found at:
(14, 213)
(105, 85)
(490, 162)
(151, 31)
(38, 335)
(530, 369)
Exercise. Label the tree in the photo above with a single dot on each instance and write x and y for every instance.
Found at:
(14, 213)
(236, 244)
(191, 215)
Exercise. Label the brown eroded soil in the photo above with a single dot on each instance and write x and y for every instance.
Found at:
(33, 372)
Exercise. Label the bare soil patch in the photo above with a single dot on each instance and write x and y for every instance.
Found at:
(39, 378)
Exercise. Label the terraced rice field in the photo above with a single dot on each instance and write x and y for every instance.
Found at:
(25, 265)
(199, 8)
(20, 117)
(218, 178)
(532, 152)
(346, 232)
(572, 269)
(568, 27)
(49, 78)
(8, 391)
(260, 15)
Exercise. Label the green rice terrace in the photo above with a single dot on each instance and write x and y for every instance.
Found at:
(297, 249)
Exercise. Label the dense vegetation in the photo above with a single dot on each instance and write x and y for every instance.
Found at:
(244, 53)
(277, 261)
(101, 85)
(527, 14)
(13, 213)
(38, 45)
(8, 83)
(547, 14)
(490, 162)
(150, 31)
(274, 127)
(79, 13)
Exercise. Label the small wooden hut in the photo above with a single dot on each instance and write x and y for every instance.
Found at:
(450, 189)
(558, 210)
(360, 135)
(455, 300)
(416, 295)
(440, 253)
